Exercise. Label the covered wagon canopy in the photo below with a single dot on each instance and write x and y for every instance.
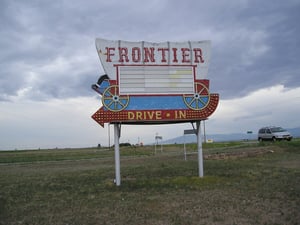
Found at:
(171, 57)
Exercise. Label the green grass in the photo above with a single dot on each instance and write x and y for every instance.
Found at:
(75, 186)
(29, 156)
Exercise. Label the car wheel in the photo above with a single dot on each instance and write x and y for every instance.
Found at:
(274, 139)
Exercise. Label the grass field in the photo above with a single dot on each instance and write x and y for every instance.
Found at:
(243, 183)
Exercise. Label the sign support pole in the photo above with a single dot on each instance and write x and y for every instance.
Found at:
(200, 153)
(184, 149)
(117, 129)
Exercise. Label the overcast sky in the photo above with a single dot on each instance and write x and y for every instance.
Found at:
(48, 62)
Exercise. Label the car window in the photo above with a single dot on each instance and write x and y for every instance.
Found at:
(268, 131)
(261, 131)
(277, 129)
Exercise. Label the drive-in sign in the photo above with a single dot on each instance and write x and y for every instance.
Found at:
(154, 82)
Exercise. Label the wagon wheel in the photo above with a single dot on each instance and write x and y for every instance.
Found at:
(199, 100)
(112, 101)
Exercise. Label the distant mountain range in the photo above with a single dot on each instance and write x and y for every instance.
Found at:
(222, 137)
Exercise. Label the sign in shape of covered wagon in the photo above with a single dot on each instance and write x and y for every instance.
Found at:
(154, 82)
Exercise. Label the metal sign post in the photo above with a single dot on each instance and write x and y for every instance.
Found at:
(200, 153)
(184, 149)
(199, 145)
(117, 129)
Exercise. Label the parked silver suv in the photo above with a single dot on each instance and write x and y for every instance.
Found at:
(273, 133)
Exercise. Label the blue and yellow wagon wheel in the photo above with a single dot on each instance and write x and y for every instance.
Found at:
(199, 100)
(113, 101)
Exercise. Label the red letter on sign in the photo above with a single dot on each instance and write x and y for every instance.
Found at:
(136, 54)
(163, 54)
(185, 55)
(123, 52)
(198, 55)
(175, 55)
(149, 55)
(109, 54)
